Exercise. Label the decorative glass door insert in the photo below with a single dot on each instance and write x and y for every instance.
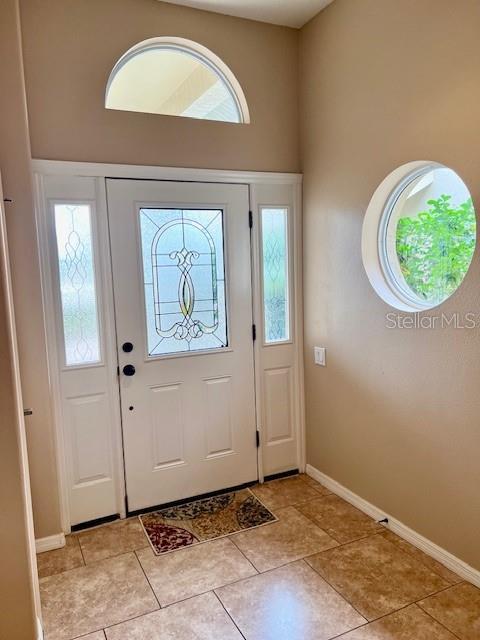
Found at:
(275, 274)
(184, 280)
(76, 271)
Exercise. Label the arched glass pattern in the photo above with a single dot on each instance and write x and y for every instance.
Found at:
(184, 279)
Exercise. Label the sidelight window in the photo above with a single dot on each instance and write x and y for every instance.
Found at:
(76, 268)
(274, 226)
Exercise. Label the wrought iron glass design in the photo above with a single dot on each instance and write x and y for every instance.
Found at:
(184, 280)
(275, 274)
(77, 284)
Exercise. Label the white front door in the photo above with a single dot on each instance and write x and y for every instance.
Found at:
(183, 304)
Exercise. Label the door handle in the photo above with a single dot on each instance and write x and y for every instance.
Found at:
(129, 370)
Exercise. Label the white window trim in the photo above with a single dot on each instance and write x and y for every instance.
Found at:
(374, 231)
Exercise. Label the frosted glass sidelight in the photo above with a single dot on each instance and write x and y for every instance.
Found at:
(184, 280)
(77, 284)
(275, 274)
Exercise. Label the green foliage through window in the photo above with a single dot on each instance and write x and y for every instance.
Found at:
(435, 248)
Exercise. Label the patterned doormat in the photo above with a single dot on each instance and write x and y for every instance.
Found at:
(202, 520)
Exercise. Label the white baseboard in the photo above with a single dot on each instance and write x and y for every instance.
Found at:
(450, 561)
(51, 542)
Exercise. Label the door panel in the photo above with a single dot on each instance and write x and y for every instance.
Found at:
(218, 400)
(86, 390)
(277, 233)
(168, 429)
(182, 285)
(278, 405)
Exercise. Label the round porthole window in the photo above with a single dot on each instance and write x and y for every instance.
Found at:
(419, 236)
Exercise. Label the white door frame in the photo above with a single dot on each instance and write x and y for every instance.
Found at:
(259, 183)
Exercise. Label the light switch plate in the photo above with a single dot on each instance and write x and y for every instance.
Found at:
(320, 354)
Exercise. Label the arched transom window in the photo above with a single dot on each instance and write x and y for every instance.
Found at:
(176, 77)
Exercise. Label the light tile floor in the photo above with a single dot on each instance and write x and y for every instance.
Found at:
(323, 571)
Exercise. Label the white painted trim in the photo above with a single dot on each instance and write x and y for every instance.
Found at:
(256, 317)
(50, 543)
(100, 170)
(110, 341)
(375, 224)
(450, 561)
(298, 320)
(40, 635)
(52, 355)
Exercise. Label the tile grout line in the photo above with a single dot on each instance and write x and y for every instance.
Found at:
(438, 622)
(146, 578)
(340, 544)
(412, 555)
(140, 615)
(386, 615)
(89, 633)
(336, 591)
(258, 572)
(433, 617)
(369, 622)
(231, 536)
(398, 547)
(117, 624)
(81, 551)
(93, 564)
(433, 593)
(228, 614)
(167, 606)
(114, 555)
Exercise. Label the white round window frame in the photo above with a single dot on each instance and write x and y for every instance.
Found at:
(204, 55)
(374, 232)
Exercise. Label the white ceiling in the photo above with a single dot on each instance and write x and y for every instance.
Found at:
(291, 13)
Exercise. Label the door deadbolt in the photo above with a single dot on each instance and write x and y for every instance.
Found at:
(129, 370)
(127, 347)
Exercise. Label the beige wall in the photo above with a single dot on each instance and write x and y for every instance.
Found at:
(70, 48)
(15, 168)
(17, 619)
(395, 414)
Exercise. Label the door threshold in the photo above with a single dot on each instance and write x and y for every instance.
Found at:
(94, 523)
(202, 496)
(282, 474)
